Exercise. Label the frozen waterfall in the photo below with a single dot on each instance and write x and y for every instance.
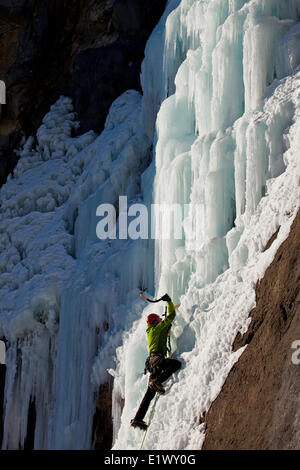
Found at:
(226, 144)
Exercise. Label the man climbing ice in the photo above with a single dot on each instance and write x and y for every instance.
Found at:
(159, 366)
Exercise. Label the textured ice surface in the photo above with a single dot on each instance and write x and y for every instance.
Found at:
(227, 141)
(60, 285)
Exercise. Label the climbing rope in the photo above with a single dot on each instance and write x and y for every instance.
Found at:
(150, 418)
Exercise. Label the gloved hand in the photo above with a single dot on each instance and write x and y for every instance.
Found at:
(166, 298)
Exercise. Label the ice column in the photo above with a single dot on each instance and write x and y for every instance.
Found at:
(232, 52)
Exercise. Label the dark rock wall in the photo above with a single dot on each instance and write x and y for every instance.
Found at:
(90, 50)
(259, 405)
(2, 386)
(103, 421)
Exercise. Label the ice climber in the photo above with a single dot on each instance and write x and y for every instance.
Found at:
(159, 366)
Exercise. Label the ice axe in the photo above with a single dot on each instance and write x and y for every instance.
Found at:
(151, 300)
(155, 300)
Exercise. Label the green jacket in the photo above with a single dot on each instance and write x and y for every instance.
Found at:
(157, 335)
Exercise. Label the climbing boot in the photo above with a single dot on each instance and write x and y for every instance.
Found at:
(138, 424)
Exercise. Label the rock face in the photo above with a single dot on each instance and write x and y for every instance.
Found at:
(90, 50)
(2, 384)
(103, 424)
(259, 405)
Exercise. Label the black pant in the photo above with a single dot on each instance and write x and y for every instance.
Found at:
(161, 373)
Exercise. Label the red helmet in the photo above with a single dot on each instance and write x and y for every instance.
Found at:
(152, 318)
